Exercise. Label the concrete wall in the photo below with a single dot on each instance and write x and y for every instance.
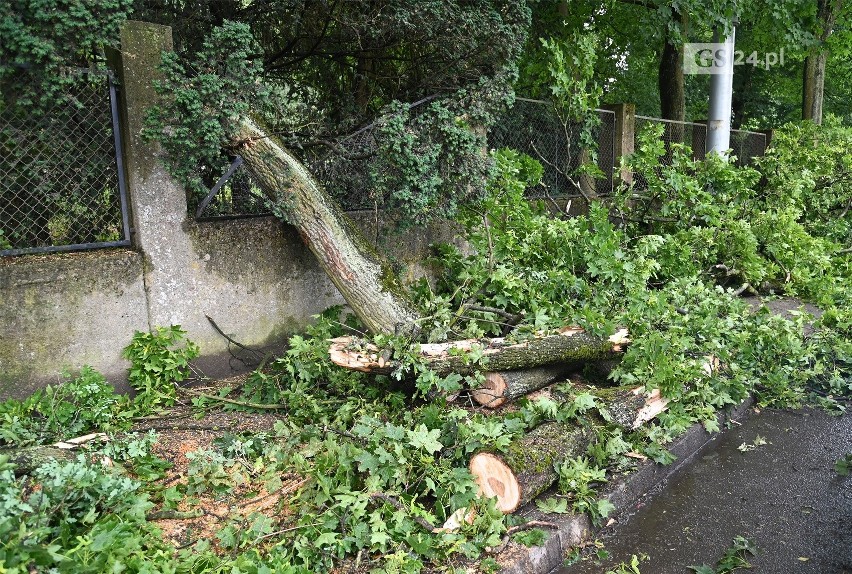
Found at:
(63, 311)
(253, 277)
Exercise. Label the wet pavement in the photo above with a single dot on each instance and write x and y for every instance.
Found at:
(784, 496)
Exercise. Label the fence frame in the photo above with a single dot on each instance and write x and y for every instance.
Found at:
(122, 186)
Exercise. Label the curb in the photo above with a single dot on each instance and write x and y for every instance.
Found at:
(624, 493)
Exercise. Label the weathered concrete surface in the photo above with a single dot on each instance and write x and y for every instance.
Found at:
(784, 496)
(63, 311)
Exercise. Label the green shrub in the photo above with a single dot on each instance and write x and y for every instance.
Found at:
(159, 360)
(84, 403)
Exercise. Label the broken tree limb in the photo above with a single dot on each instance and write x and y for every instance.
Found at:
(519, 528)
(629, 407)
(501, 387)
(72, 443)
(527, 468)
(393, 501)
(571, 345)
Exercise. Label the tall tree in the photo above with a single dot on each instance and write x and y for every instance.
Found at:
(813, 80)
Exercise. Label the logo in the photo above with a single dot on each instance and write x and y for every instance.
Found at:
(714, 58)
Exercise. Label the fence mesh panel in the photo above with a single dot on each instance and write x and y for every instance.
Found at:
(745, 145)
(58, 176)
(533, 127)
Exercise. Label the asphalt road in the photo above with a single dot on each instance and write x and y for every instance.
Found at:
(784, 496)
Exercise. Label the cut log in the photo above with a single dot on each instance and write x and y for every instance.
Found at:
(526, 469)
(506, 386)
(27, 459)
(571, 345)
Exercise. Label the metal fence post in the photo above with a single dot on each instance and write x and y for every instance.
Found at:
(119, 157)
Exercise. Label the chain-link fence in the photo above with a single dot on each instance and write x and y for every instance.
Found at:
(531, 126)
(745, 145)
(61, 187)
(341, 168)
(534, 128)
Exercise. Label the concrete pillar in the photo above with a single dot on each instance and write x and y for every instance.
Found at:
(157, 202)
(253, 277)
(625, 135)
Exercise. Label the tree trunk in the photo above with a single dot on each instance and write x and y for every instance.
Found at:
(813, 87)
(813, 82)
(345, 255)
(572, 345)
(670, 77)
(742, 95)
(27, 459)
(505, 386)
(526, 469)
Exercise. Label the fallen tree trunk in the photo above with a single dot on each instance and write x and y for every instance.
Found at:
(572, 345)
(527, 468)
(501, 387)
(27, 459)
(352, 264)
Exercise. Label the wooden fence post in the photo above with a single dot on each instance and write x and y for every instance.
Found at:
(625, 135)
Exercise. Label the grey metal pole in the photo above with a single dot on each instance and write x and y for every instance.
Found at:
(721, 92)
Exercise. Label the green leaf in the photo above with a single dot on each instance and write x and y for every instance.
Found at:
(605, 507)
(423, 438)
(552, 505)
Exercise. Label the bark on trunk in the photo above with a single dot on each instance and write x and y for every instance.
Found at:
(813, 87)
(27, 459)
(344, 254)
(630, 407)
(526, 469)
(670, 76)
(572, 345)
(813, 82)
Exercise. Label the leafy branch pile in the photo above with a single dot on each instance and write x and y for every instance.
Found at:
(379, 472)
